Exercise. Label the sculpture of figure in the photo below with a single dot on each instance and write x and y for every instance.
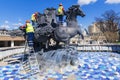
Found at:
(44, 30)
(63, 34)
(49, 28)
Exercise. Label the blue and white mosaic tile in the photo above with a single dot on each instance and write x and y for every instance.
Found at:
(92, 66)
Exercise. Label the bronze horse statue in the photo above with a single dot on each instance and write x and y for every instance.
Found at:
(43, 31)
(48, 27)
(64, 33)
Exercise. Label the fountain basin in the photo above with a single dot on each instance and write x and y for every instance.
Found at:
(92, 65)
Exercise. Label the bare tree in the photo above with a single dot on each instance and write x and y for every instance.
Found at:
(109, 23)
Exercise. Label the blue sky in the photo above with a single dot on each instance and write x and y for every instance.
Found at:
(13, 13)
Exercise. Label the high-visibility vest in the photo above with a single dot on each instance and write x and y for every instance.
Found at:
(29, 28)
(60, 10)
(33, 17)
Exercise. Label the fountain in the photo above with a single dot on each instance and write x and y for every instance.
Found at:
(64, 62)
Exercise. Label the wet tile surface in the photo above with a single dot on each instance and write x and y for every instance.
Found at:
(92, 66)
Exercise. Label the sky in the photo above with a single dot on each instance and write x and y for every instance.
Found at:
(14, 13)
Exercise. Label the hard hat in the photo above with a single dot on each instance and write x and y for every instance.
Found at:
(27, 21)
(36, 12)
(60, 4)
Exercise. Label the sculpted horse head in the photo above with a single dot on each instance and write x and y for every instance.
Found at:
(64, 33)
(50, 14)
(72, 13)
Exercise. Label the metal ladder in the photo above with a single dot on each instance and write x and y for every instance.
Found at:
(31, 65)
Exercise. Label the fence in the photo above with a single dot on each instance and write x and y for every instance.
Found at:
(97, 48)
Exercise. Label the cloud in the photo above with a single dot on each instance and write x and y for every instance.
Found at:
(5, 26)
(86, 2)
(17, 25)
(112, 1)
(8, 25)
(19, 20)
(6, 22)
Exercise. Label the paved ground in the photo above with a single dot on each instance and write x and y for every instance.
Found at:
(92, 66)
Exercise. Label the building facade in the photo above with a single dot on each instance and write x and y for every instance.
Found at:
(9, 41)
(96, 34)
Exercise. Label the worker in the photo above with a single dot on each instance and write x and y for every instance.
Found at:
(60, 13)
(29, 33)
(34, 18)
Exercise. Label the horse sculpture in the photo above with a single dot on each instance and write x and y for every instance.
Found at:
(44, 29)
(64, 33)
(49, 28)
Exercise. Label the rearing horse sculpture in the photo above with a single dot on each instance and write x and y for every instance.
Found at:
(49, 28)
(64, 33)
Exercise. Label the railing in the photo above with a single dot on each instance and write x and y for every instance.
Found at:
(7, 52)
(97, 48)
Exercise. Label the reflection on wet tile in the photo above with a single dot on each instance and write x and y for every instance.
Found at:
(92, 66)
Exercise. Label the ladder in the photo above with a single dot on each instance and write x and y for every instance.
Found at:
(31, 65)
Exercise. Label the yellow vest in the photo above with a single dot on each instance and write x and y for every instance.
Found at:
(29, 28)
(33, 17)
(60, 11)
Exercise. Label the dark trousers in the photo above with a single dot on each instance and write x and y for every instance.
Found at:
(33, 22)
(60, 18)
(30, 38)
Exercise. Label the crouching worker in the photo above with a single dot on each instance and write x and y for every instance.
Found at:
(29, 33)
(34, 19)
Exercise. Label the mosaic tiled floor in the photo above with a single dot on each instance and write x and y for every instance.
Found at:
(92, 66)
